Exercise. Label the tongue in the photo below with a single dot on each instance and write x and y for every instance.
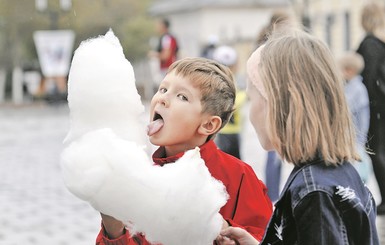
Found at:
(154, 127)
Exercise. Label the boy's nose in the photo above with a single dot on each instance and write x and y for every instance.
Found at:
(163, 100)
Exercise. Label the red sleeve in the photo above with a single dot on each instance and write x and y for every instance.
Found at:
(124, 239)
(253, 206)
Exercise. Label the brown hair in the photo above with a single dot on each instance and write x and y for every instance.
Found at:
(215, 81)
(307, 111)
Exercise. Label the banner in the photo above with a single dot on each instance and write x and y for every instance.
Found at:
(54, 50)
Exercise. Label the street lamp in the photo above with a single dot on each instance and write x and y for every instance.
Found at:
(54, 48)
(42, 6)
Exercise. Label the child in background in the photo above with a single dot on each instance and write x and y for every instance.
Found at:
(298, 108)
(351, 65)
(228, 139)
(194, 101)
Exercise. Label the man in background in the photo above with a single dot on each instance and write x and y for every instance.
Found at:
(167, 49)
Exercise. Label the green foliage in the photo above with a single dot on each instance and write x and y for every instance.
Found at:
(88, 18)
(136, 35)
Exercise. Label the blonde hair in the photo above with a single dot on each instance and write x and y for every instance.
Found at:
(352, 60)
(373, 17)
(308, 115)
(215, 81)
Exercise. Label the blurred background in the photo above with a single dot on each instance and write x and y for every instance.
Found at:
(37, 41)
(194, 23)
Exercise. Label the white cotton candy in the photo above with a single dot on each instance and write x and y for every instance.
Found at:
(102, 91)
(174, 204)
(105, 162)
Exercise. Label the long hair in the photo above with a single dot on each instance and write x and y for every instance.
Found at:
(307, 112)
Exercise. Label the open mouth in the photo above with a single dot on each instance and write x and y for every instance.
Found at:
(157, 116)
(156, 124)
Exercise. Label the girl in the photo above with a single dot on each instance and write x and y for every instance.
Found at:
(298, 109)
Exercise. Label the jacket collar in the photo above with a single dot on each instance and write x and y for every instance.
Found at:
(159, 155)
(293, 174)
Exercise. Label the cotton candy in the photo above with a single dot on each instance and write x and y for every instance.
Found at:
(102, 91)
(104, 161)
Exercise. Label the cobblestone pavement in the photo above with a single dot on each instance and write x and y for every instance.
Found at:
(35, 206)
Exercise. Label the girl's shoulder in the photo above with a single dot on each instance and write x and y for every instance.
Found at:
(327, 179)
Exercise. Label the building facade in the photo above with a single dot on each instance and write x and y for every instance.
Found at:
(232, 22)
(238, 22)
(337, 22)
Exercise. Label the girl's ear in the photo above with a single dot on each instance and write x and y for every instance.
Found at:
(210, 126)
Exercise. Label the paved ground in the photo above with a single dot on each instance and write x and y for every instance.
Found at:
(35, 206)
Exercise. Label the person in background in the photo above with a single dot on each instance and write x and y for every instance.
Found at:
(194, 101)
(228, 139)
(209, 48)
(167, 49)
(278, 20)
(351, 65)
(372, 49)
(298, 108)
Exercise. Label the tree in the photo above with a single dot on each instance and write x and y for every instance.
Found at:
(88, 18)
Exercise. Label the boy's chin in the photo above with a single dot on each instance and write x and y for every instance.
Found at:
(153, 140)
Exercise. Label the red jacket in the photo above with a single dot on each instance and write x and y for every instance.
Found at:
(248, 206)
(168, 41)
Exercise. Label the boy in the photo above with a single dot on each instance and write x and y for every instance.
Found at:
(194, 101)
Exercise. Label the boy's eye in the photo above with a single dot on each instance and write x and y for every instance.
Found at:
(182, 97)
(162, 90)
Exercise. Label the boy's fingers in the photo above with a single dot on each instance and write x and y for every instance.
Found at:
(229, 231)
(224, 240)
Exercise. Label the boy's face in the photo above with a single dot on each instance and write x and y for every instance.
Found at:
(176, 115)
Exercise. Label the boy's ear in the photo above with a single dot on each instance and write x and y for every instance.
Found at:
(210, 126)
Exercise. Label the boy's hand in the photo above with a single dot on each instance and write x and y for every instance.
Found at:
(113, 227)
(236, 235)
(223, 240)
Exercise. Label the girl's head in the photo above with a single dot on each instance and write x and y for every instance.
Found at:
(373, 17)
(215, 81)
(300, 91)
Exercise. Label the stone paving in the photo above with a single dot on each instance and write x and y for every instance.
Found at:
(35, 206)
